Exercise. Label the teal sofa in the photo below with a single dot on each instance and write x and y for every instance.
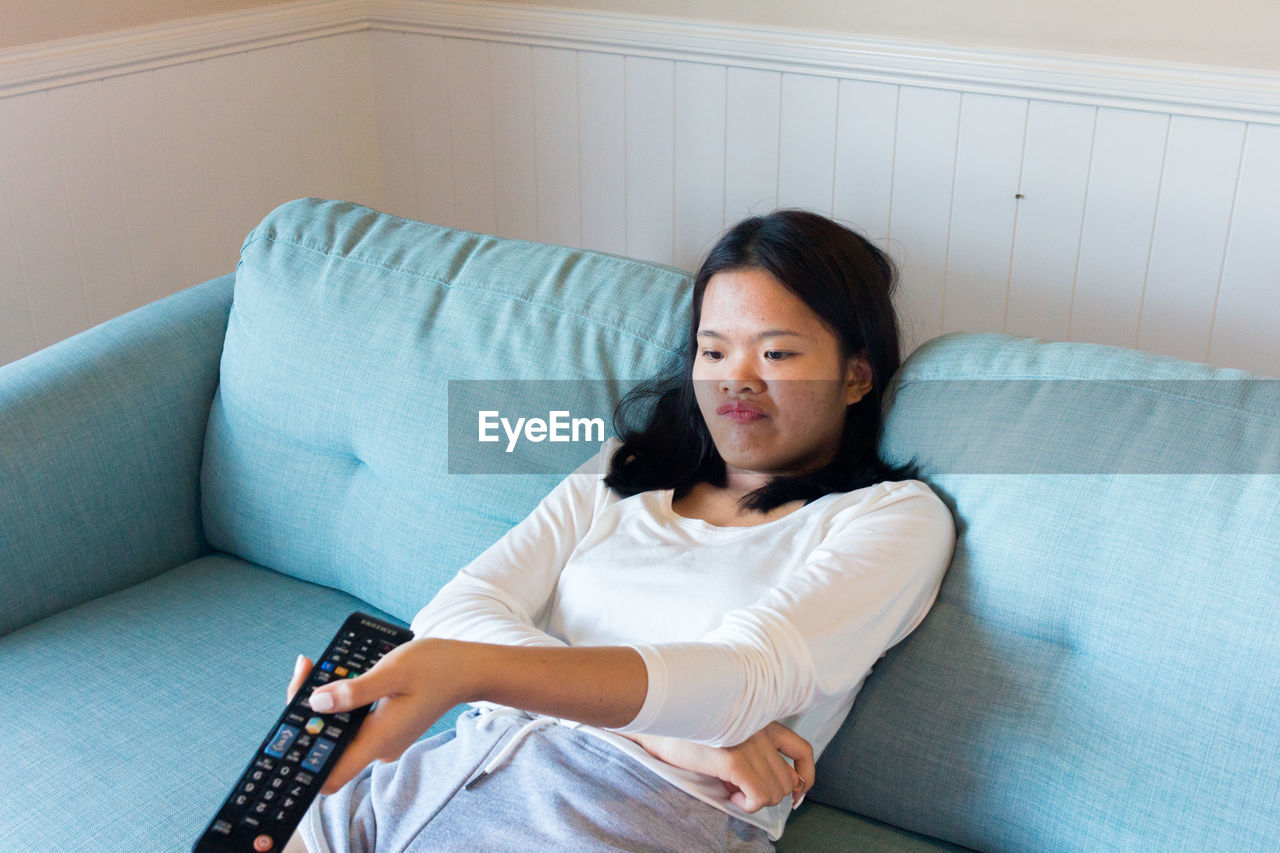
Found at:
(195, 492)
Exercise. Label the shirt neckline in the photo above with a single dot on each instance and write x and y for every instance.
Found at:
(668, 498)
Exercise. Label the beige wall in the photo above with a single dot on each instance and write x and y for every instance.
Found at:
(24, 22)
(1242, 33)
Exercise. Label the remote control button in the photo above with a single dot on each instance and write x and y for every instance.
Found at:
(333, 732)
(222, 827)
(291, 801)
(284, 772)
(241, 801)
(263, 843)
(344, 717)
(249, 787)
(284, 737)
(318, 755)
(305, 778)
(295, 718)
(265, 764)
(250, 820)
(315, 725)
(281, 816)
(340, 671)
(327, 666)
(294, 756)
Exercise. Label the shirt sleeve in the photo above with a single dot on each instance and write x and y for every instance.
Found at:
(503, 594)
(816, 635)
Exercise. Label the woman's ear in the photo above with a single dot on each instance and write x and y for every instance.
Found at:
(859, 381)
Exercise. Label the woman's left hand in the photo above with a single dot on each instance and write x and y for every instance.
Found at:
(755, 773)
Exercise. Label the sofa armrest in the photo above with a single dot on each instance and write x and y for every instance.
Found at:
(101, 437)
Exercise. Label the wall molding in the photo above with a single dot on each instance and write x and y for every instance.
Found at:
(1205, 91)
(66, 62)
(1165, 87)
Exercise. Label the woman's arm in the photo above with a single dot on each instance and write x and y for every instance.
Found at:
(417, 682)
(502, 595)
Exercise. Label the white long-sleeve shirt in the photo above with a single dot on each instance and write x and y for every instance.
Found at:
(737, 626)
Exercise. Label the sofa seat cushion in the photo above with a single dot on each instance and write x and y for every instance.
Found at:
(816, 828)
(151, 701)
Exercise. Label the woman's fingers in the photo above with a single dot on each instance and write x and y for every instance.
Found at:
(799, 750)
(301, 668)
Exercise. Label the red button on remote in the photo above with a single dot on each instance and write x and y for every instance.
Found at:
(263, 843)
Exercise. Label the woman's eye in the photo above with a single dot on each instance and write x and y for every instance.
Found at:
(777, 354)
(710, 354)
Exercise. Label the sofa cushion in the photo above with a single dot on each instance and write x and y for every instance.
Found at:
(1099, 670)
(328, 453)
(150, 701)
(820, 829)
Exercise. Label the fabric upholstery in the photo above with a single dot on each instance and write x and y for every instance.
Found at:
(328, 454)
(100, 443)
(1099, 671)
(150, 702)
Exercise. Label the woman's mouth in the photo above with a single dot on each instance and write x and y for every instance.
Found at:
(740, 411)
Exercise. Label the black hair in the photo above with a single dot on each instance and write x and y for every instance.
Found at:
(842, 278)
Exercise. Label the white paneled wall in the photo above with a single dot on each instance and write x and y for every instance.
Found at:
(121, 190)
(1087, 215)
(1033, 217)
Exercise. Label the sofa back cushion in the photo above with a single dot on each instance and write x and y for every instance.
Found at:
(328, 453)
(1101, 670)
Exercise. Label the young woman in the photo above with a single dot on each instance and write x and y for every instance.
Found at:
(658, 653)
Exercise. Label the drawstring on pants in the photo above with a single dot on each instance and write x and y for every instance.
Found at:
(489, 715)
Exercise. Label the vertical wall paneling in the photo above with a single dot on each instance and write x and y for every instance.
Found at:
(1115, 244)
(17, 328)
(514, 162)
(1126, 219)
(807, 142)
(1247, 316)
(751, 142)
(983, 207)
(393, 122)
(94, 201)
(207, 248)
(150, 215)
(471, 129)
(1055, 174)
(432, 143)
(41, 218)
(865, 139)
(650, 111)
(1196, 195)
(555, 114)
(602, 135)
(699, 160)
(235, 107)
(923, 175)
(358, 132)
(323, 95)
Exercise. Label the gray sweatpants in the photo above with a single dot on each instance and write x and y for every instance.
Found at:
(559, 790)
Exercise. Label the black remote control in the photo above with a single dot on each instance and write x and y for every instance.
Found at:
(290, 766)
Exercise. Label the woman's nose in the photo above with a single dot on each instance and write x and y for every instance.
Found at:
(740, 377)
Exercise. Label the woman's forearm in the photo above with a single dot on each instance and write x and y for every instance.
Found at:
(601, 686)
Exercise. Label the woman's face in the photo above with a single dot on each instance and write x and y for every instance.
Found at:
(769, 378)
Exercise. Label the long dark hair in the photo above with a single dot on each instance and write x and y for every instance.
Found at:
(843, 279)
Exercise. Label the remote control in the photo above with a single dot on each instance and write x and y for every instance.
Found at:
(290, 766)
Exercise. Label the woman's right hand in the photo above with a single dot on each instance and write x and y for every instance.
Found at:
(755, 773)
